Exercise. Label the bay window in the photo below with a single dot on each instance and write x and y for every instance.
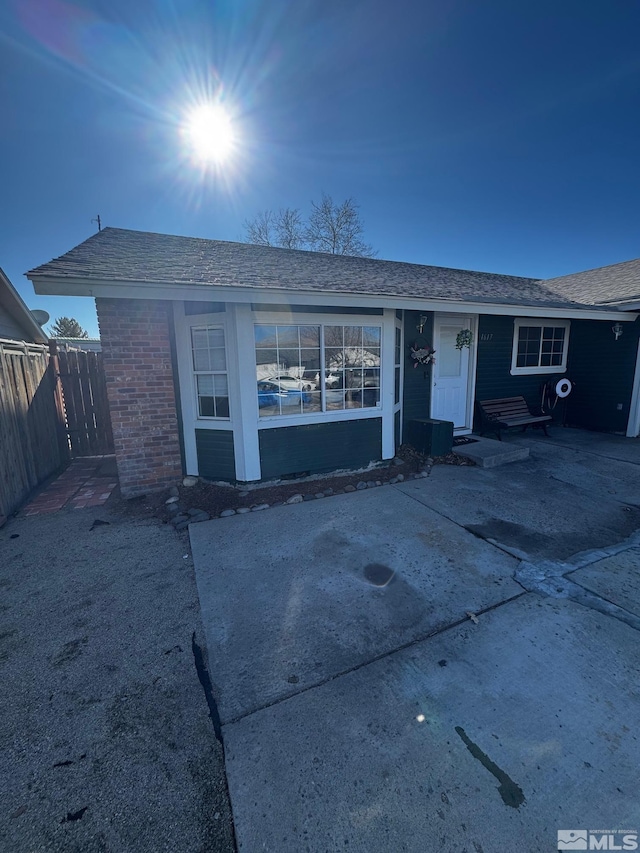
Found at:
(304, 369)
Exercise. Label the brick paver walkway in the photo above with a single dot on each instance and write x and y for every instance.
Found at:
(86, 482)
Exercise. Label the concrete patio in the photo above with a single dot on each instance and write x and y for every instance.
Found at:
(363, 708)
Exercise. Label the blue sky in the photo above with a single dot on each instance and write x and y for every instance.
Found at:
(492, 135)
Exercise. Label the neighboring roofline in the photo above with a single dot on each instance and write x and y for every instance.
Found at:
(63, 286)
(591, 269)
(17, 308)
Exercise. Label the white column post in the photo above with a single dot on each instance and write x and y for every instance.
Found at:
(388, 382)
(245, 409)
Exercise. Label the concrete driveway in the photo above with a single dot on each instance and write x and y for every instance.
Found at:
(364, 710)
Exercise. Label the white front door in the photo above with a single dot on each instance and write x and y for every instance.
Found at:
(453, 372)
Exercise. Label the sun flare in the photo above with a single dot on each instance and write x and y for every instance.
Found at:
(209, 134)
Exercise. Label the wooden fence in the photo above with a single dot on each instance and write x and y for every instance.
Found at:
(85, 399)
(33, 437)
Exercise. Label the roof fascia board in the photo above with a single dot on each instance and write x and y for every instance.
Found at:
(18, 309)
(49, 285)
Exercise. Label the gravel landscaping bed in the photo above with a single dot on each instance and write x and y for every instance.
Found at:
(202, 500)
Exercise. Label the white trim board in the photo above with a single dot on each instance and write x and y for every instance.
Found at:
(46, 285)
(633, 424)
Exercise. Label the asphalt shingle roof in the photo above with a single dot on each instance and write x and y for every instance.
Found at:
(116, 254)
(601, 286)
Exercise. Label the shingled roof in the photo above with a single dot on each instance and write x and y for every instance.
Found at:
(610, 285)
(119, 255)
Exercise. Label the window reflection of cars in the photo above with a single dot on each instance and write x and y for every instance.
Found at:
(291, 383)
(273, 394)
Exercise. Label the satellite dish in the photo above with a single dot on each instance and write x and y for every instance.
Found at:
(41, 317)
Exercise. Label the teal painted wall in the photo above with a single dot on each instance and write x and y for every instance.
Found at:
(493, 377)
(601, 368)
(416, 395)
(215, 453)
(319, 448)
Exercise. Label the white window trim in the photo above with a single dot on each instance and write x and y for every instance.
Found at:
(195, 373)
(531, 321)
(191, 421)
(263, 318)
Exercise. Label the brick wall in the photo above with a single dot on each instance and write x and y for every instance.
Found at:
(142, 400)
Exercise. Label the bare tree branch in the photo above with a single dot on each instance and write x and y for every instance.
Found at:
(289, 228)
(333, 228)
(337, 229)
(261, 229)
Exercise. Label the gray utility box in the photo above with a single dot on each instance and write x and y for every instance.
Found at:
(435, 438)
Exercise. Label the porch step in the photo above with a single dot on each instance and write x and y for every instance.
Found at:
(487, 452)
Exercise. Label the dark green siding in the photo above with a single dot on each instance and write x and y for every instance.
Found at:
(215, 454)
(416, 397)
(317, 448)
(602, 369)
(493, 376)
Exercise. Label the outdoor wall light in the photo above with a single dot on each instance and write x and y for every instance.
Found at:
(422, 322)
(617, 329)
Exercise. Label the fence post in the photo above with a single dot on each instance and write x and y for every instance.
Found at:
(58, 396)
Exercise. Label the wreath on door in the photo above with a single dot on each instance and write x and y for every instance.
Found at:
(422, 354)
(464, 339)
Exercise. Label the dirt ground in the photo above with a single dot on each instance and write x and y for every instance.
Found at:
(214, 498)
(107, 739)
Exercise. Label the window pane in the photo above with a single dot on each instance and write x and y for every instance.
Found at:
(398, 353)
(205, 385)
(265, 336)
(333, 336)
(371, 357)
(372, 377)
(220, 386)
(218, 359)
(334, 399)
(199, 339)
(309, 336)
(353, 336)
(201, 359)
(353, 378)
(206, 407)
(371, 336)
(334, 379)
(222, 407)
(397, 385)
(312, 402)
(353, 357)
(288, 359)
(266, 363)
(216, 337)
(310, 361)
(288, 337)
(370, 397)
(334, 358)
(556, 359)
(545, 360)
